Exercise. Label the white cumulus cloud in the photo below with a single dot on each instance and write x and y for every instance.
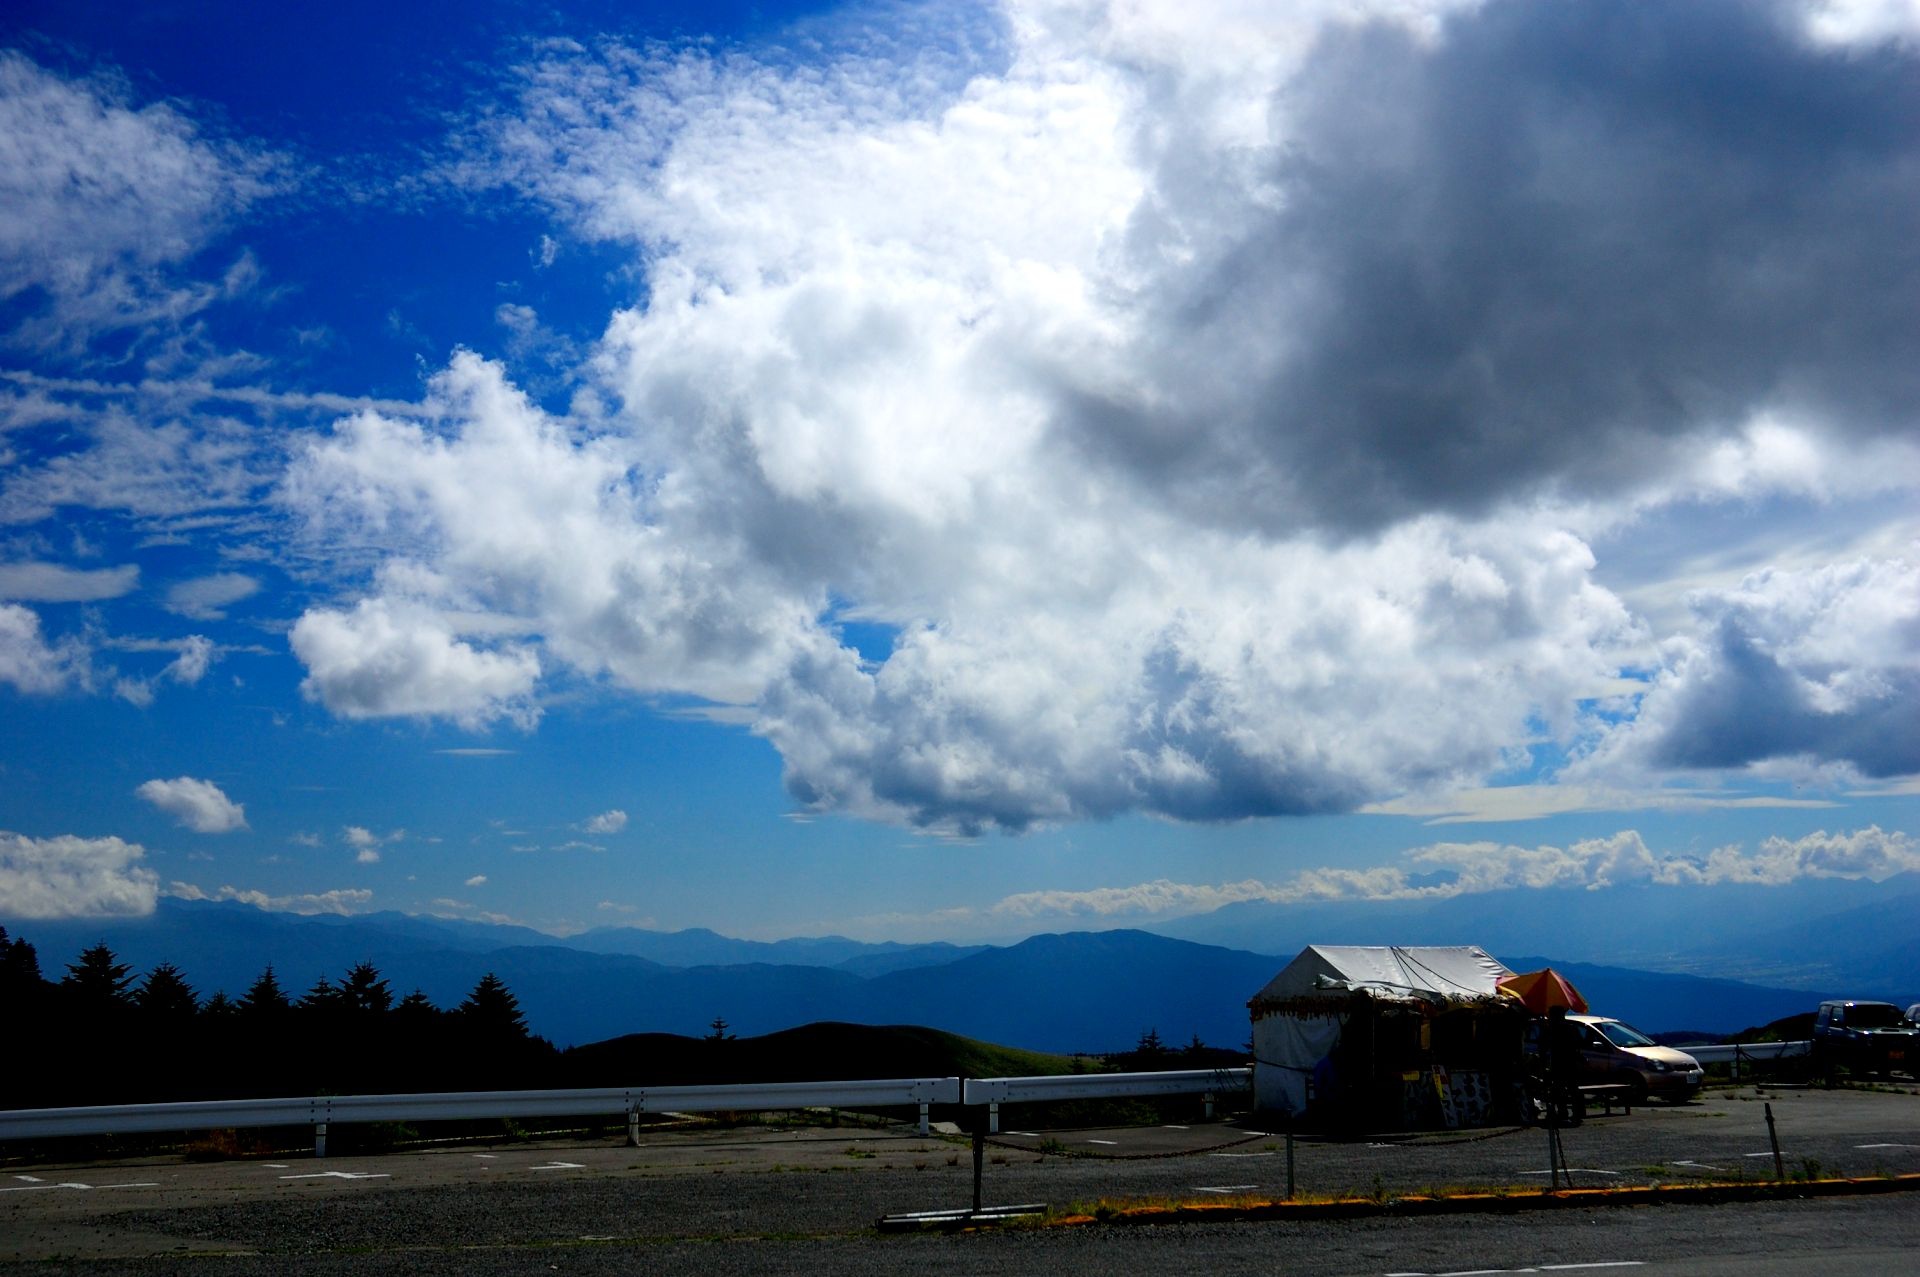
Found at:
(70, 877)
(1175, 437)
(396, 660)
(196, 804)
(607, 822)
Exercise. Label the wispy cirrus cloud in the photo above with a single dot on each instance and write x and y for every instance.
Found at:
(53, 583)
(340, 900)
(107, 201)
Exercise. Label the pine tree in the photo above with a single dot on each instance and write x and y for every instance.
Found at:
(493, 1012)
(264, 997)
(98, 981)
(166, 995)
(365, 992)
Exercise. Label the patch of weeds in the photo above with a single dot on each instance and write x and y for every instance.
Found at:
(858, 1152)
(1052, 1147)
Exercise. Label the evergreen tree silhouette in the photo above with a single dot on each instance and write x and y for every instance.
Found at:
(92, 1011)
(364, 991)
(98, 982)
(264, 997)
(492, 1012)
(166, 997)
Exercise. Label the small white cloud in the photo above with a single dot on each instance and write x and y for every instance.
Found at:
(69, 877)
(367, 844)
(206, 598)
(51, 583)
(478, 880)
(134, 691)
(196, 655)
(607, 822)
(197, 804)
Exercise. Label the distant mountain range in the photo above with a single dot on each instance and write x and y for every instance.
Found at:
(1080, 991)
(1816, 933)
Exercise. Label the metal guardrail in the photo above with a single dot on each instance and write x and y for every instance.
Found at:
(995, 1091)
(321, 1110)
(1738, 1053)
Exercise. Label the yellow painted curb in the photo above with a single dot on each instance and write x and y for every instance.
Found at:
(1483, 1203)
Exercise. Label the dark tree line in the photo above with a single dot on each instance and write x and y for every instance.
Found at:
(99, 1035)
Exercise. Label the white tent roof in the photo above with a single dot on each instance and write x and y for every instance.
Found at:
(1423, 973)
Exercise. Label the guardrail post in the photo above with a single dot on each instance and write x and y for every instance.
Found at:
(1208, 1097)
(319, 1139)
(924, 1128)
(993, 1118)
(633, 1128)
(1735, 1067)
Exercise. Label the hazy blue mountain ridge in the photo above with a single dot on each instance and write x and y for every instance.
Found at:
(1079, 991)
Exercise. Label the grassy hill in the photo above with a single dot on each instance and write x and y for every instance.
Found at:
(825, 1051)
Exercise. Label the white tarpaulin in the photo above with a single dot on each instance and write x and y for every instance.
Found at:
(1425, 973)
(1298, 1017)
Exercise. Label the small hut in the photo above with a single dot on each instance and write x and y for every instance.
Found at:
(1357, 1036)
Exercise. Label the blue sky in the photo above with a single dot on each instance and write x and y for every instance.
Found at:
(927, 471)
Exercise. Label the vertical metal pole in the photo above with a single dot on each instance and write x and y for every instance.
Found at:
(923, 1117)
(1736, 1062)
(1208, 1098)
(979, 1155)
(993, 1117)
(1773, 1137)
(1289, 1163)
(319, 1139)
(633, 1128)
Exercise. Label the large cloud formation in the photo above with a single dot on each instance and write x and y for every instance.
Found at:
(1211, 417)
(69, 877)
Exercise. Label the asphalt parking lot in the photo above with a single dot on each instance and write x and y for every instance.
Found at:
(701, 1184)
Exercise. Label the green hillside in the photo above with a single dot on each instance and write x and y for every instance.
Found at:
(825, 1051)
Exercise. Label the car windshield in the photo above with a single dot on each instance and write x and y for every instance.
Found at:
(1624, 1034)
(1874, 1015)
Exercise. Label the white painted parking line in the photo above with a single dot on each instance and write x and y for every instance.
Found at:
(1756, 1154)
(1103, 1141)
(1242, 1154)
(1539, 1268)
(1701, 1166)
(40, 1185)
(31, 1179)
(1028, 1134)
(1175, 1128)
(338, 1175)
(1570, 1170)
(488, 1157)
(1887, 1145)
(275, 1166)
(1227, 1188)
(560, 1166)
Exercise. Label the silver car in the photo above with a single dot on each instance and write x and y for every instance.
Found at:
(1614, 1052)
